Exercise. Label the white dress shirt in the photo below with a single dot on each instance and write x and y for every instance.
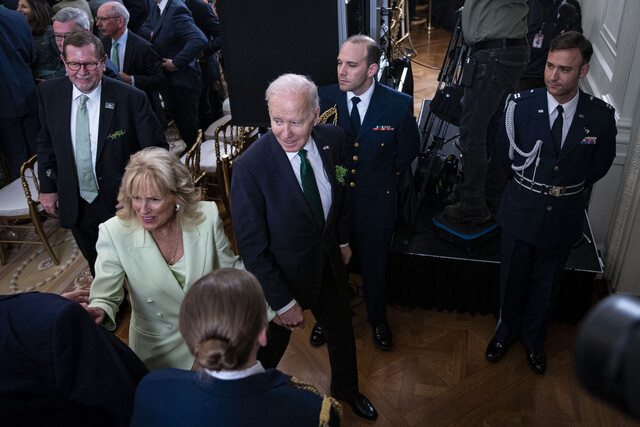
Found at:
(162, 5)
(363, 105)
(93, 109)
(569, 111)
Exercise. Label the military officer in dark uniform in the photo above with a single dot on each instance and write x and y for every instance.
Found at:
(558, 141)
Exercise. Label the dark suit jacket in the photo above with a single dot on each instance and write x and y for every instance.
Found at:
(277, 236)
(208, 23)
(60, 368)
(172, 397)
(386, 144)
(587, 154)
(174, 35)
(145, 65)
(17, 52)
(124, 110)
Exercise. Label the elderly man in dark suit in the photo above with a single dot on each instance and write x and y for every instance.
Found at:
(291, 223)
(90, 125)
(381, 141)
(61, 369)
(18, 103)
(558, 142)
(172, 32)
(136, 61)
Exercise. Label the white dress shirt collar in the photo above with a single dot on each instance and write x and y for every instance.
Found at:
(569, 110)
(162, 5)
(363, 105)
(236, 375)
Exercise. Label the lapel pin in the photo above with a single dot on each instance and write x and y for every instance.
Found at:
(581, 116)
(540, 111)
(326, 147)
(109, 105)
(586, 131)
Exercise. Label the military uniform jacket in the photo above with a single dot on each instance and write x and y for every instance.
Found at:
(383, 148)
(587, 154)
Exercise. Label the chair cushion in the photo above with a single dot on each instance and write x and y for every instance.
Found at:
(210, 133)
(13, 201)
(208, 161)
(226, 107)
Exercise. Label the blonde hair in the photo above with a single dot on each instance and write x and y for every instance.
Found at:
(163, 171)
(221, 317)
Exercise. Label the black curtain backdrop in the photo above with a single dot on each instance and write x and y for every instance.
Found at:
(264, 39)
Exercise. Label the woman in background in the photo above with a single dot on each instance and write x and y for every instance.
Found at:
(223, 320)
(38, 14)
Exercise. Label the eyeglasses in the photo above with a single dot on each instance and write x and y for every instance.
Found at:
(60, 36)
(89, 66)
(99, 18)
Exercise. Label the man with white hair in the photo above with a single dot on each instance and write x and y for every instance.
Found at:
(291, 223)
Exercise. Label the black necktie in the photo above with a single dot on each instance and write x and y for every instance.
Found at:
(355, 116)
(556, 130)
(310, 188)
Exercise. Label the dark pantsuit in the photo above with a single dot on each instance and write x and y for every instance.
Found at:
(529, 279)
(333, 313)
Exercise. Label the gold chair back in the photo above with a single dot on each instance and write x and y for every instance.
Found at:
(192, 160)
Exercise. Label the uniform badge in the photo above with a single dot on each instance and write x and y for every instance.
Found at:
(379, 127)
(109, 105)
(589, 140)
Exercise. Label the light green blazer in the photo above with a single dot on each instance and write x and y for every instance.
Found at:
(129, 253)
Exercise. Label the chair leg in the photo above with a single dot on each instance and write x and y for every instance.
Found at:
(35, 219)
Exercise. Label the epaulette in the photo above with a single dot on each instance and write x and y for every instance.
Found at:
(522, 95)
(328, 403)
(600, 103)
(331, 112)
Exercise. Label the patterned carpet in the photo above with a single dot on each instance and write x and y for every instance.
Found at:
(29, 267)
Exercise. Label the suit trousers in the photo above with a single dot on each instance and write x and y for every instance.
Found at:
(90, 216)
(372, 249)
(183, 104)
(18, 140)
(332, 311)
(529, 281)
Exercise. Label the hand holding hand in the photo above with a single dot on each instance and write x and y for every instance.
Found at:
(96, 312)
(79, 296)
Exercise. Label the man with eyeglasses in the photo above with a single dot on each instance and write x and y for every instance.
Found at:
(137, 62)
(89, 127)
(66, 20)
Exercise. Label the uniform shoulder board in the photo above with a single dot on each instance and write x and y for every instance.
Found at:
(521, 95)
(328, 403)
(600, 103)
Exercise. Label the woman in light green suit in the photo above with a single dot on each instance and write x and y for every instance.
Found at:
(161, 241)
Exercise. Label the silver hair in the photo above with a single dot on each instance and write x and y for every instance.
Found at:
(68, 14)
(289, 85)
(118, 9)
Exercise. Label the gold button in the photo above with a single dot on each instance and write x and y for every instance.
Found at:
(353, 184)
(549, 208)
(556, 169)
(355, 158)
(357, 144)
(388, 191)
(382, 144)
(353, 171)
(397, 173)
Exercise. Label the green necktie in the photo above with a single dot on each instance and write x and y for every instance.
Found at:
(310, 188)
(86, 180)
(114, 55)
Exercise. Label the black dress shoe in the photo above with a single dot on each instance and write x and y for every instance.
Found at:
(382, 337)
(537, 361)
(495, 351)
(360, 405)
(317, 337)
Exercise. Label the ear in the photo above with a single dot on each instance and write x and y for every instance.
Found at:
(372, 70)
(262, 337)
(315, 119)
(104, 63)
(584, 70)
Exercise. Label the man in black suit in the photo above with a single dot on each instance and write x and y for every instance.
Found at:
(61, 369)
(291, 223)
(81, 165)
(18, 104)
(558, 141)
(136, 61)
(173, 34)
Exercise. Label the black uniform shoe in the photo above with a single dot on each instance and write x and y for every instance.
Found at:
(317, 337)
(455, 213)
(537, 361)
(360, 405)
(382, 337)
(495, 351)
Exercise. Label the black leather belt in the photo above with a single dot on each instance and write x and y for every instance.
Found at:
(499, 43)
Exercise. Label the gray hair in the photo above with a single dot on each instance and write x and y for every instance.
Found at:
(68, 14)
(290, 85)
(118, 9)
